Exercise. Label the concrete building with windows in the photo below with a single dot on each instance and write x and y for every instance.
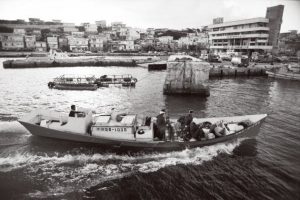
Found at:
(52, 42)
(249, 35)
(12, 41)
(77, 44)
(19, 31)
(96, 43)
(165, 39)
(101, 23)
(40, 46)
(30, 41)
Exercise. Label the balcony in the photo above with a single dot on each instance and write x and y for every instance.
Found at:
(264, 47)
(240, 30)
(239, 36)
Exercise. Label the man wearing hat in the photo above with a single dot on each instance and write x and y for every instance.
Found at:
(161, 124)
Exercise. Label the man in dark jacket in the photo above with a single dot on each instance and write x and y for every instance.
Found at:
(161, 124)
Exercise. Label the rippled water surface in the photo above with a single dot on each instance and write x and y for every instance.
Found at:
(267, 167)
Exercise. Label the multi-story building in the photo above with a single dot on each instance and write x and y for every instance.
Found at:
(77, 44)
(249, 35)
(240, 36)
(52, 42)
(30, 42)
(91, 28)
(101, 23)
(96, 43)
(165, 39)
(12, 41)
(63, 44)
(78, 34)
(69, 27)
(116, 26)
(40, 46)
(19, 31)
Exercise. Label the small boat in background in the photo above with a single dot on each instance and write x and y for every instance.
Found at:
(127, 132)
(71, 82)
(289, 72)
(125, 80)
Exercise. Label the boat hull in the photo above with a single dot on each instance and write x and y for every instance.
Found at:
(37, 130)
(288, 76)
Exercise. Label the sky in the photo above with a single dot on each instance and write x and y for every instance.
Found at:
(174, 14)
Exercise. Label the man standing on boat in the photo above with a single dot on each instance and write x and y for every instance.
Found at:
(73, 111)
(161, 124)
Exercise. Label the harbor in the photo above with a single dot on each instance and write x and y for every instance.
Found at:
(196, 100)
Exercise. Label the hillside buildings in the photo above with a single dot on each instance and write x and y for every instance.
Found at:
(261, 34)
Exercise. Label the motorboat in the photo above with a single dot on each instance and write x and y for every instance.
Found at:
(289, 72)
(126, 131)
(71, 82)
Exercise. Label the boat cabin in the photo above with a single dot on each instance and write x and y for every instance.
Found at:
(121, 127)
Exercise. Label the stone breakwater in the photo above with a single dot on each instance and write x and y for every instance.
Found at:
(44, 63)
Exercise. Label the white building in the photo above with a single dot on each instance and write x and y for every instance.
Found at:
(91, 28)
(12, 41)
(69, 27)
(242, 35)
(40, 46)
(52, 42)
(165, 39)
(77, 34)
(96, 42)
(101, 23)
(30, 41)
(19, 31)
(78, 44)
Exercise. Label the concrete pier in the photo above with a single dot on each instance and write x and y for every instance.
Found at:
(42, 63)
(186, 76)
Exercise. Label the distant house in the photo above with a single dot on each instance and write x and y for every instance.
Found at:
(96, 43)
(165, 39)
(78, 44)
(101, 23)
(77, 34)
(52, 42)
(19, 31)
(40, 46)
(63, 44)
(91, 28)
(30, 42)
(12, 41)
(69, 27)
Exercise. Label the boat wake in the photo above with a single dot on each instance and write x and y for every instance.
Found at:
(64, 173)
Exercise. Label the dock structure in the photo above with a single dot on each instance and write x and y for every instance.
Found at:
(69, 62)
(186, 76)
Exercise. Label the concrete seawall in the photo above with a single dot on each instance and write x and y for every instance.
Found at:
(43, 63)
(236, 72)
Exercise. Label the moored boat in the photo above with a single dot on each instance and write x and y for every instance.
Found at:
(126, 132)
(290, 72)
(71, 82)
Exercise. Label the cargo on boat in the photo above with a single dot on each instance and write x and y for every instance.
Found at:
(124, 80)
(71, 82)
(127, 132)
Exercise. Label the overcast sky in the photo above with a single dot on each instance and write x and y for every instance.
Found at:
(149, 13)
